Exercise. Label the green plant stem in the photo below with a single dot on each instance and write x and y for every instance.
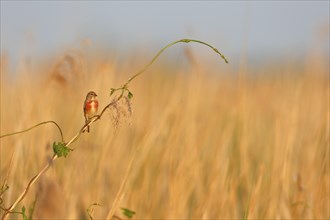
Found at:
(26, 130)
(125, 86)
(169, 45)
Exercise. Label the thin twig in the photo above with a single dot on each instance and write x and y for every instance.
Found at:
(169, 45)
(125, 86)
(42, 123)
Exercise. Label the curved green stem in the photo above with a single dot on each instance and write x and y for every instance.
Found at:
(125, 86)
(169, 45)
(42, 123)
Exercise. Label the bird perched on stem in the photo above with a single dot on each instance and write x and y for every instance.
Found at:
(91, 105)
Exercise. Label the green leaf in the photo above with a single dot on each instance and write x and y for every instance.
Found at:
(128, 213)
(112, 90)
(23, 214)
(129, 95)
(60, 149)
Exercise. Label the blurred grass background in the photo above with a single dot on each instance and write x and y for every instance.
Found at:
(216, 142)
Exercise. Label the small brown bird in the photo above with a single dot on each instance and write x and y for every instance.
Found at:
(91, 106)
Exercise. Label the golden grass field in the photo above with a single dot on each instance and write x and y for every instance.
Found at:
(215, 142)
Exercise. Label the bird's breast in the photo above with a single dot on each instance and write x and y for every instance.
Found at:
(91, 107)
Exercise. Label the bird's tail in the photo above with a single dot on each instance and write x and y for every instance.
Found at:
(87, 128)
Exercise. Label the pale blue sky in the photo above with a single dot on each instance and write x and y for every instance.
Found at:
(267, 28)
